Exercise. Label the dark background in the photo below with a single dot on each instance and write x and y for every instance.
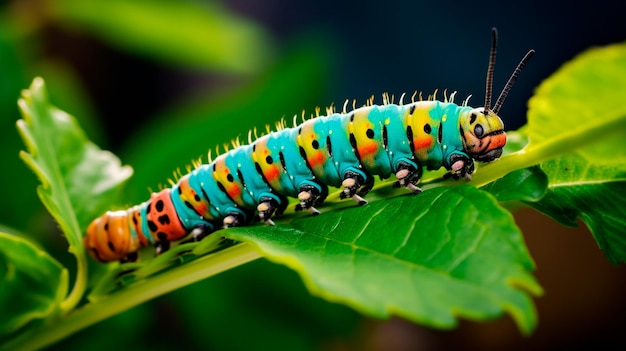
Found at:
(375, 47)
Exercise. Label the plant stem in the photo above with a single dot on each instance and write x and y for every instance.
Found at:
(536, 153)
(142, 291)
(80, 284)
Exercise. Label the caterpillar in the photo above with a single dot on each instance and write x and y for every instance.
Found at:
(340, 150)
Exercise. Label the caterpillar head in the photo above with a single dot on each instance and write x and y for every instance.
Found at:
(483, 134)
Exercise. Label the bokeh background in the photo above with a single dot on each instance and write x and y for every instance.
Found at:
(146, 78)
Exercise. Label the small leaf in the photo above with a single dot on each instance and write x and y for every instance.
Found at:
(72, 170)
(445, 253)
(33, 283)
(524, 184)
(580, 188)
(590, 181)
(78, 179)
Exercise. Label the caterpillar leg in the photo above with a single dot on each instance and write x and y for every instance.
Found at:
(161, 246)
(201, 231)
(131, 257)
(267, 207)
(367, 187)
(310, 195)
(462, 166)
(234, 219)
(408, 175)
(352, 182)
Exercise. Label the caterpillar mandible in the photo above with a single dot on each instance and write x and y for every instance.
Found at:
(341, 150)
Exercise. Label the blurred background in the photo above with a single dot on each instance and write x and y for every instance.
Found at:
(161, 82)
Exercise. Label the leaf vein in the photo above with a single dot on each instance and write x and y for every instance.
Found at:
(366, 224)
(586, 182)
(409, 232)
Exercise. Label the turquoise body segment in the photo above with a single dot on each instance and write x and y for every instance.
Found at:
(186, 213)
(321, 152)
(448, 114)
(144, 223)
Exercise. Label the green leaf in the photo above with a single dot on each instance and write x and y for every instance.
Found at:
(582, 189)
(583, 93)
(33, 284)
(71, 169)
(527, 184)
(430, 258)
(516, 140)
(199, 35)
(590, 182)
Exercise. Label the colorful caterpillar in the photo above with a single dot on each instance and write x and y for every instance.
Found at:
(341, 150)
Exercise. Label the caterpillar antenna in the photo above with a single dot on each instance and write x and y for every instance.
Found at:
(492, 63)
(509, 83)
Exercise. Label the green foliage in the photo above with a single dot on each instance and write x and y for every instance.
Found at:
(599, 202)
(527, 184)
(453, 251)
(431, 258)
(77, 178)
(34, 284)
(198, 35)
(590, 181)
(279, 312)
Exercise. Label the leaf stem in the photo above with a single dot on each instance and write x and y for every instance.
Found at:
(80, 283)
(134, 295)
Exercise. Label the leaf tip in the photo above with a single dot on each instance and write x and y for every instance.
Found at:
(38, 84)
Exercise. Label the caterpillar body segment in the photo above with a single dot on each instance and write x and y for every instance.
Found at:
(344, 150)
